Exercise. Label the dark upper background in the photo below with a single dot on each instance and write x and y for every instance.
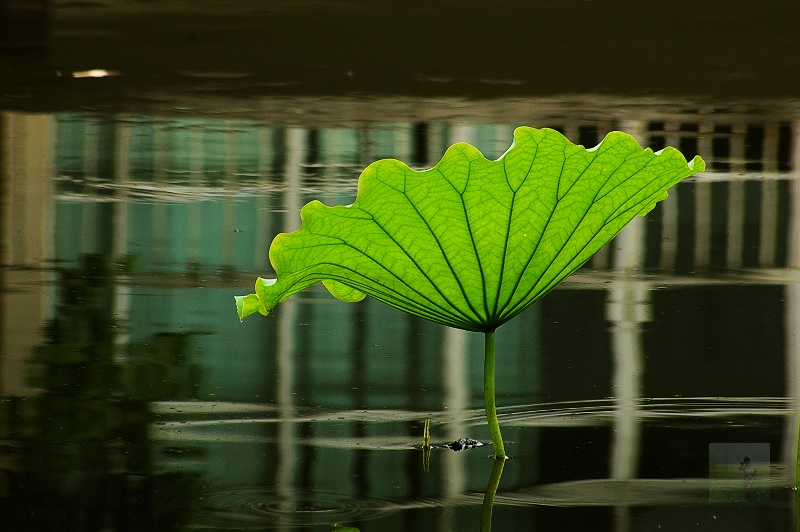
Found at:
(713, 48)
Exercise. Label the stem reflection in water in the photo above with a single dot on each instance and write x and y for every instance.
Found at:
(491, 491)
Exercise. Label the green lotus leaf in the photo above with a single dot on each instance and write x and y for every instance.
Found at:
(471, 243)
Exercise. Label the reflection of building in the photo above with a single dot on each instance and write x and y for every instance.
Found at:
(203, 187)
(193, 203)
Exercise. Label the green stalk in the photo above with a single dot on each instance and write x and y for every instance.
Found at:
(488, 396)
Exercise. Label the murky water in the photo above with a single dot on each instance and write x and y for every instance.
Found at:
(131, 397)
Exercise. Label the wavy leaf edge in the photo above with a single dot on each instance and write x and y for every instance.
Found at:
(267, 295)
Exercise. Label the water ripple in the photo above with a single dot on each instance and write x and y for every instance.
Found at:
(554, 413)
(257, 508)
(710, 410)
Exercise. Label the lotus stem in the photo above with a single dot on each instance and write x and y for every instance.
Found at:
(488, 396)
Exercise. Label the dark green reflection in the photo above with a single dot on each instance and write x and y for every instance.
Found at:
(82, 458)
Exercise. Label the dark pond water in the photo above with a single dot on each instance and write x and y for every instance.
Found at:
(131, 398)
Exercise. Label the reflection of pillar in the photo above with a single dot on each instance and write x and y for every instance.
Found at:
(638, 130)
(402, 142)
(286, 317)
(91, 151)
(456, 390)
(284, 353)
(703, 204)
(456, 395)
(461, 133)
(296, 147)
(329, 159)
(228, 258)
(119, 240)
(262, 228)
(736, 197)
(669, 211)
(629, 244)
(628, 307)
(792, 432)
(435, 146)
(161, 152)
(769, 198)
(196, 177)
(122, 137)
(26, 151)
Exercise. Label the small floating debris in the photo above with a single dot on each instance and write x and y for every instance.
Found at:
(461, 444)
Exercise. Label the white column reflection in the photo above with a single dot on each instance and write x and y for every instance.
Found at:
(456, 391)
(736, 199)
(703, 204)
(331, 162)
(119, 243)
(262, 228)
(402, 141)
(628, 307)
(286, 325)
(89, 221)
(26, 193)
